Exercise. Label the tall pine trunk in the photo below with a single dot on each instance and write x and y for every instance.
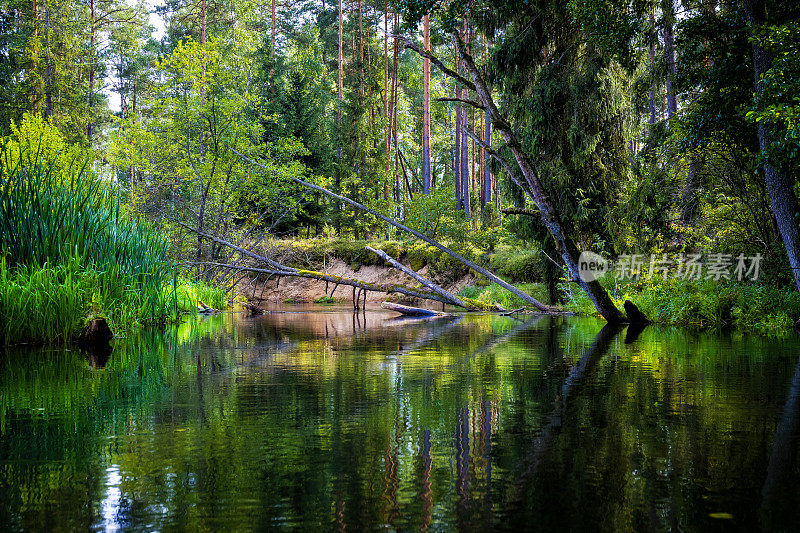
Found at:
(426, 109)
(487, 173)
(651, 64)
(464, 154)
(340, 97)
(457, 144)
(669, 51)
(779, 184)
(92, 41)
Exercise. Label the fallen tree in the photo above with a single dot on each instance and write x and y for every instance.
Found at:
(406, 310)
(455, 255)
(360, 287)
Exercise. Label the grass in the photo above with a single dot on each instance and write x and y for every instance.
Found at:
(51, 303)
(703, 304)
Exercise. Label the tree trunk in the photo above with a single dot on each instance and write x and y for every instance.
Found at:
(340, 97)
(669, 50)
(386, 99)
(203, 21)
(465, 190)
(457, 150)
(487, 173)
(92, 40)
(393, 112)
(779, 184)
(48, 78)
(550, 216)
(426, 110)
(272, 52)
(651, 63)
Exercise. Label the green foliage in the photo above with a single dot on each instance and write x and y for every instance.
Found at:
(494, 294)
(436, 216)
(520, 265)
(778, 103)
(705, 304)
(199, 113)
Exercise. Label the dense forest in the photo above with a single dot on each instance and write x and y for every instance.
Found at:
(661, 134)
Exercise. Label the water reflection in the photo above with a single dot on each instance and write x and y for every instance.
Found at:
(332, 420)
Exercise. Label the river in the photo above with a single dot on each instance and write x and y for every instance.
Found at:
(316, 418)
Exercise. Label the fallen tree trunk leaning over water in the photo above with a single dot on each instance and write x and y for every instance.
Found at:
(550, 216)
(432, 286)
(455, 255)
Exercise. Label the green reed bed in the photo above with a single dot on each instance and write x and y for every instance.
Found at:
(68, 250)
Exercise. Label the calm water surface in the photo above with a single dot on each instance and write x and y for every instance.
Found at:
(319, 419)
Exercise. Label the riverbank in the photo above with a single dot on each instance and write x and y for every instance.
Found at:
(701, 304)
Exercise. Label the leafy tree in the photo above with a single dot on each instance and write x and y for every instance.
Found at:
(195, 119)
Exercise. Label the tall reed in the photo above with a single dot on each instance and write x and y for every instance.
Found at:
(69, 249)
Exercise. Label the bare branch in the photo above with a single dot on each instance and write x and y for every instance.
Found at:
(473, 103)
(436, 61)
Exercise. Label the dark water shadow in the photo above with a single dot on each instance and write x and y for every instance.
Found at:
(98, 356)
(578, 377)
(778, 492)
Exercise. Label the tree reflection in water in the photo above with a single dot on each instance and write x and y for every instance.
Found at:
(477, 422)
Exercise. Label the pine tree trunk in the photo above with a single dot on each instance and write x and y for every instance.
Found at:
(203, 20)
(340, 96)
(426, 110)
(92, 40)
(386, 98)
(669, 50)
(457, 147)
(487, 173)
(465, 189)
(393, 112)
(651, 63)
(48, 78)
(272, 50)
(779, 184)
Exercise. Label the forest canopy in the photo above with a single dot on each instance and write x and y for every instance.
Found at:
(653, 127)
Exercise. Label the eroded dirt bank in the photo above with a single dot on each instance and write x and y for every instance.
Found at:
(307, 290)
